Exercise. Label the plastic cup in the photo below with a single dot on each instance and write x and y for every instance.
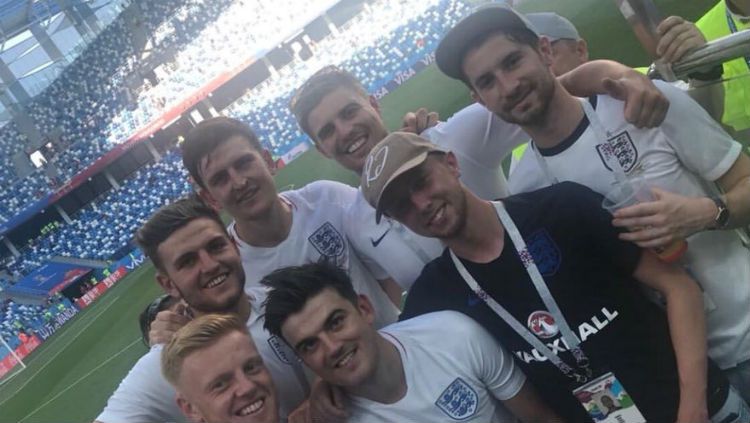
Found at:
(634, 191)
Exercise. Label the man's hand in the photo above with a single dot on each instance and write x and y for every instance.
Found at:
(669, 217)
(645, 105)
(677, 37)
(416, 122)
(327, 403)
(166, 323)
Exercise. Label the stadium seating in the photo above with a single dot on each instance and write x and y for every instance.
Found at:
(85, 103)
(108, 224)
(15, 318)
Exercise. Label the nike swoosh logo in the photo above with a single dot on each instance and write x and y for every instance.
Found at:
(375, 242)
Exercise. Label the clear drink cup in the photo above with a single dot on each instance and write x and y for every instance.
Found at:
(638, 190)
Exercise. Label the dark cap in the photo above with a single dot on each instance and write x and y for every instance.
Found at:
(486, 18)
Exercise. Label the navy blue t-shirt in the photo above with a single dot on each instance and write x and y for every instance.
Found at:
(588, 270)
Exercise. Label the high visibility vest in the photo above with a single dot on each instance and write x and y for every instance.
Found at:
(718, 23)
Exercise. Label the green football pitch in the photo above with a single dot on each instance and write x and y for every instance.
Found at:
(70, 377)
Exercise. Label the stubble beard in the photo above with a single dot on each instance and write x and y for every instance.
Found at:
(545, 88)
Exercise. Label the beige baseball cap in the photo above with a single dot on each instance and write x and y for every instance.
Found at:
(396, 154)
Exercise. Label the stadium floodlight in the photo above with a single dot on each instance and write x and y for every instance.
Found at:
(15, 369)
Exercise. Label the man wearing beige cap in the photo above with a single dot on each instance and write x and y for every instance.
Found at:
(546, 273)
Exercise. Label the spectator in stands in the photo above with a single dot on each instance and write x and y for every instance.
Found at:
(218, 373)
(334, 109)
(198, 262)
(407, 371)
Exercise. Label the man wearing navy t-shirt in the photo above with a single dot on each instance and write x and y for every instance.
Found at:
(546, 274)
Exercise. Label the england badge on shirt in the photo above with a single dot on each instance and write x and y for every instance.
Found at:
(619, 147)
(328, 241)
(458, 401)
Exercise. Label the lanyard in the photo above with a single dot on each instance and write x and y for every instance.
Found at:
(583, 373)
(733, 29)
(606, 148)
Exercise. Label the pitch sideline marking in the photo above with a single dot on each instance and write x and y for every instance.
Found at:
(80, 379)
(72, 339)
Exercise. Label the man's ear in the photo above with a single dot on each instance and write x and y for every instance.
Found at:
(452, 162)
(209, 199)
(165, 282)
(188, 409)
(365, 308)
(268, 159)
(582, 50)
(374, 103)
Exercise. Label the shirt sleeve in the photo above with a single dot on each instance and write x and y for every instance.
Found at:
(700, 143)
(478, 135)
(143, 395)
(489, 361)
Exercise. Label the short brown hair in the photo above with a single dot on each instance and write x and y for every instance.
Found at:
(196, 335)
(168, 219)
(209, 134)
(322, 83)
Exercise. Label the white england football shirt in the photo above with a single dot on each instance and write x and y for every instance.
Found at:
(683, 155)
(318, 233)
(145, 396)
(388, 248)
(455, 371)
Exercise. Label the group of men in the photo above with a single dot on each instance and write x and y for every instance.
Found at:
(536, 306)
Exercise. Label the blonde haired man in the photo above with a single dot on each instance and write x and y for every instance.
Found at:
(218, 373)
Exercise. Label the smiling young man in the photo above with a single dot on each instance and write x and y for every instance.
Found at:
(225, 158)
(197, 262)
(586, 141)
(546, 273)
(441, 367)
(344, 122)
(218, 373)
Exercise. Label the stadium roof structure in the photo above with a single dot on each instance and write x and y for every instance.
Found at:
(17, 15)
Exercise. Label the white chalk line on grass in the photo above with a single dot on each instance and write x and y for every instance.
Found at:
(72, 339)
(138, 340)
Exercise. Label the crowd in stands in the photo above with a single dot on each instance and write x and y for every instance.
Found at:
(18, 321)
(398, 34)
(82, 102)
(106, 225)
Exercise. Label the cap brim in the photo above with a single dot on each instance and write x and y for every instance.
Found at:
(451, 50)
(405, 167)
